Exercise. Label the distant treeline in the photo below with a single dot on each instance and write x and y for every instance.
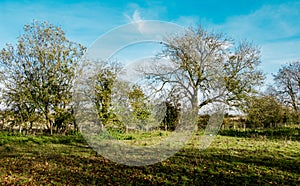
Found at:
(41, 91)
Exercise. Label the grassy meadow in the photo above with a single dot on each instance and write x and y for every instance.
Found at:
(266, 157)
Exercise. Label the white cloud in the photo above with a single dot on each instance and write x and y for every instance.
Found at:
(151, 10)
(268, 23)
(135, 17)
(274, 28)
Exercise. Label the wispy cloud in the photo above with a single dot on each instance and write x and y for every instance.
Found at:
(274, 28)
(187, 20)
(267, 23)
(135, 17)
(150, 10)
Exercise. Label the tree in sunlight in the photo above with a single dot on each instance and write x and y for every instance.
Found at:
(287, 81)
(38, 73)
(204, 68)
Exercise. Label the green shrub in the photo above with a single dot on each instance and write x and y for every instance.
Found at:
(278, 133)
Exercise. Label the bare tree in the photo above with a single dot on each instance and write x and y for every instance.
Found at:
(288, 84)
(202, 67)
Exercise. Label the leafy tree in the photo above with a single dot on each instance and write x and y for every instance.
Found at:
(290, 116)
(172, 116)
(138, 103)
(104, 83)
(172, 111)
(39, 71)
(264, 111)
(205, 68)
(127, 105)
(130, 105)
(287, 82)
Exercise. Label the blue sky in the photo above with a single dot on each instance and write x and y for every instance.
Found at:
(271, 24)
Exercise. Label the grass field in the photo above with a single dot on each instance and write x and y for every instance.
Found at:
(252, 158)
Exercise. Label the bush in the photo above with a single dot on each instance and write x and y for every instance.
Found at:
(264, 112)
(278, 133)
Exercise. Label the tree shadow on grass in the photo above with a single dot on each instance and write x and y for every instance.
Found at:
(189, 166)
(252, 157)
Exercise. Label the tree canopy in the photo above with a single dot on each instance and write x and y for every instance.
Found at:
(205, 67)
(38, 73)
(288, 84)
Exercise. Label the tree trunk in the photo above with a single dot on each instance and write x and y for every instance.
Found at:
(51, 127)
(20, 129)
(51, 130)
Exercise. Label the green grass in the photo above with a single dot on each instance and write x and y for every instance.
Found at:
(230, 160)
